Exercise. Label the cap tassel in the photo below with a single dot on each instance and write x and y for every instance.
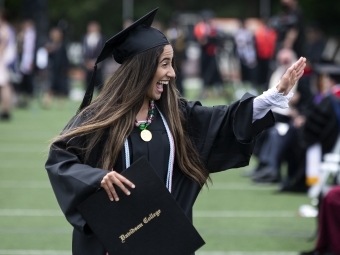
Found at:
(89, 91)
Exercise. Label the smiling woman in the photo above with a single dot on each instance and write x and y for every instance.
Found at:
(139, 113)
(164, 72)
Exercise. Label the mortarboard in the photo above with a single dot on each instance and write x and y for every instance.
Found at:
(332, 70)
(136, 38)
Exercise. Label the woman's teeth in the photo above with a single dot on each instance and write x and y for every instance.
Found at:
(163, 82)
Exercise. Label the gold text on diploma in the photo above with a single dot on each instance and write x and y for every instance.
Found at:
(146, 220)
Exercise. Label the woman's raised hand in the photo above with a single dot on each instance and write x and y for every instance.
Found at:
(115, 178)
(291, 76)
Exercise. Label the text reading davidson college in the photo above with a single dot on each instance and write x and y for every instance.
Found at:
(146, 220)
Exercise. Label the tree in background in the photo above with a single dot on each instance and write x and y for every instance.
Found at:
(77, 13)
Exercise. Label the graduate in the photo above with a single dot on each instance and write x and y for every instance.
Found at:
(139, 113)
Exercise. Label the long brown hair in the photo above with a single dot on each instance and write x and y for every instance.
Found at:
(116, 108)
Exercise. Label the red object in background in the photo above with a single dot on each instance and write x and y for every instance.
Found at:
(210, 50)
(265, 42)
(307, 70)
(336, 90)
(203, 30)
(199, 30)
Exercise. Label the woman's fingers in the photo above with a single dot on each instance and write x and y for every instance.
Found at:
(292, 75)
(299, 69)
(126, 181)
(300, 73)
(300, 64)
(118, 182)
(117, 179)
(110, 190)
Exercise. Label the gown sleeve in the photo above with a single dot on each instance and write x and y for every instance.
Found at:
(72, 181)
(224, 135)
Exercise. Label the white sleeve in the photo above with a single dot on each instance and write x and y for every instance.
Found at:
(268, 100)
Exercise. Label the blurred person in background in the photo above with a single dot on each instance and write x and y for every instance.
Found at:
(324, 127)
(92, 44)
(314, 47)
(7, 60)
(328, 225)
(290, 27)
(283, 142)
(207, 36)
(315, 122)
(177, 38)
(276, 140)
(58, 65)
(26, 42)
(246, 51)
(265, 42)
(322, 122)
(315, 44)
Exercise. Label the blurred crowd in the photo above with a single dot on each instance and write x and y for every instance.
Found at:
(29, 71)
(21, 63)
(229, 55)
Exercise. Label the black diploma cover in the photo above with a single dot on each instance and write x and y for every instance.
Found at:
(147, 222)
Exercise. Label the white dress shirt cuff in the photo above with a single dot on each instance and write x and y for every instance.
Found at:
(268, 100)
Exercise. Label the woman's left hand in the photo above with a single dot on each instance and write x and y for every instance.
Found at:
(291, 76)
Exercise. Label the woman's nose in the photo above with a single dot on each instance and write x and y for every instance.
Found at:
(171, 73)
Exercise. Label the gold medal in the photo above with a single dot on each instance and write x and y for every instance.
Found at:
(146, 135)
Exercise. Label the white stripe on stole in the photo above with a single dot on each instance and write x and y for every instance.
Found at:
(171, 155)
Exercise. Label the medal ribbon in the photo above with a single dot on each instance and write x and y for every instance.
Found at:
(171, 154)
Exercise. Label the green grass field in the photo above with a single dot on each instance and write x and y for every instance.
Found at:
(234, 216)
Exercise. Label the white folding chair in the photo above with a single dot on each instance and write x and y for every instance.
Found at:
(329, 167)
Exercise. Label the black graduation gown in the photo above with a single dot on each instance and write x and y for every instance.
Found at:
(222, 135)
(322, 125)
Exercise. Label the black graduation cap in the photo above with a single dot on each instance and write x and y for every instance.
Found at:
(332, 70)
(138, 37)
